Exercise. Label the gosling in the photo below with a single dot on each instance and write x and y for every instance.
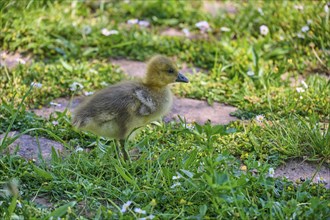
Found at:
(116, 111)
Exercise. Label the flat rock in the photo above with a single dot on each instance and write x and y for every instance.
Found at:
(296, 169)
(187, 69)
(200, 111)
(59, 105)
(215, 7)
(172, 32)
(130, 67)
(294, 81)
(10, 60)
(43, 202)
(28, 146)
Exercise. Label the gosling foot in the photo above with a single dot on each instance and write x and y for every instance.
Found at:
(134, 153)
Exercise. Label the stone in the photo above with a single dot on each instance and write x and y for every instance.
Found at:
(215, 7)
(43, 202)
(297, 169)
(172, 32)
(187, 69)
(294, 81)
(11, 60)
(200, 111)
(130, 67)
(61, 104)
(28, 146)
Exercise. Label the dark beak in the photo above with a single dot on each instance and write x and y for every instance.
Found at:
(181, 78)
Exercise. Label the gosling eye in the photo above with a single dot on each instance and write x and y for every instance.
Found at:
(171, 71)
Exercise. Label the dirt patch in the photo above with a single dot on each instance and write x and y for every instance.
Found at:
(301, 170)
(216, 7)
(30, 147)
(200, 111)
(10, 60)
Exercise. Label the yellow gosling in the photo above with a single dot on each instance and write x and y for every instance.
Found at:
(116, 111)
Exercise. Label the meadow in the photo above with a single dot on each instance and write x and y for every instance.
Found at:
(269, 59)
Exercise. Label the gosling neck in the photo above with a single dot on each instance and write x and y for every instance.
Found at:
(158, 86)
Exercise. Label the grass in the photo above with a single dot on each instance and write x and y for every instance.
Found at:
(185, 170)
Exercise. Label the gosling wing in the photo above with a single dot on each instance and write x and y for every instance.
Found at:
(114, 102)
(147, 105)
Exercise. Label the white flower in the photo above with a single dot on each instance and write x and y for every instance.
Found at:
(186, 31)
(107, 32)
(305, 29)
(176, 177)
(260, 118)
(250, 73)
(300, 35)
(175, 185)
(125, 206)
(55, 123)
(86, 30)
(309, 21)
(300, 89)
(264, 30)
(20, 61)
(3, 56)
(151, 217)
(36, 85)
(225, 29)
(140, 211)
(304, 84)
(55, 104)
(326, 8)
(88, 93)
(104, 83)
(190, 126)
(203, 26)
(19, 204)
(271, 172)
(260, 11)
(148, 217)
(299, 7)
(92, 71)
(79, 149)
(144, 23)
(133, 21)
(76, 86)
(321, 180)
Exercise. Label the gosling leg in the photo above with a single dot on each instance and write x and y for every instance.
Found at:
(117, 144)
(123, 150)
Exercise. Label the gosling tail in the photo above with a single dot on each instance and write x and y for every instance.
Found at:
(78, 122)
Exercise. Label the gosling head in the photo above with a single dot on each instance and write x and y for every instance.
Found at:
(162, 71)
